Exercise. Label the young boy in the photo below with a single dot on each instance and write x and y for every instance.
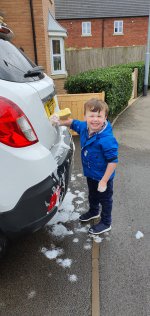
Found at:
(99, 154)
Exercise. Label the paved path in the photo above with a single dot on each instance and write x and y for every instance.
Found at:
(31, 284)
(125, 260)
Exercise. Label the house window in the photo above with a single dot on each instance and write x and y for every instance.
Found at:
(57, 56)
(86, 28)
(118, 27)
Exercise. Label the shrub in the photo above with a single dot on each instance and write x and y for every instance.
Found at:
(115, 81)
(141, 69)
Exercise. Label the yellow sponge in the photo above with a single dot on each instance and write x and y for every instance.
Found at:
(64, 114)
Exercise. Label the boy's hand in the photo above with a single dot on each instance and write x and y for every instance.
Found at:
(102, 186)
(55, 120)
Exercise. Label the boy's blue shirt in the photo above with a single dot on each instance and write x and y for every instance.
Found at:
(96, 151)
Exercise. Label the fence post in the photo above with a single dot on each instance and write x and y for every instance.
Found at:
(134, 80)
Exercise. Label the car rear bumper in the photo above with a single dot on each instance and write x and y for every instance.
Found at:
(31, 211)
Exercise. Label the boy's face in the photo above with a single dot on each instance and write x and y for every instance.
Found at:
(95, 120)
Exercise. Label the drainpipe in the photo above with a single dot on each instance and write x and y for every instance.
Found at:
(147, 56)
(33, 32)
(102, 33)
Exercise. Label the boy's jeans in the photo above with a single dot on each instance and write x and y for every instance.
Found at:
(105, 199)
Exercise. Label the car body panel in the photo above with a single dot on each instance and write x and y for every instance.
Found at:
(30, 175)
(27, 98)
(32, 210)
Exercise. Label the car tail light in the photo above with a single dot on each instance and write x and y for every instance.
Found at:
(15, 128)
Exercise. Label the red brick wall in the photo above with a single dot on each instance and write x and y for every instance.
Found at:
(74, 31)
(41, 8)
(59, 85)
(18, 17)
(135, 32)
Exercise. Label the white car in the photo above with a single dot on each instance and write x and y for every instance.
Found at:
(35, 157)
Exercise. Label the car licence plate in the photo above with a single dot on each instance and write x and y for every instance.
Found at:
(49, 106)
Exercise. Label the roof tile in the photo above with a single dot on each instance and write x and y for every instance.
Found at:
(82, 9)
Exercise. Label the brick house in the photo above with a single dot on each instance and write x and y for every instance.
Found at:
(98, 23)
(38, 34)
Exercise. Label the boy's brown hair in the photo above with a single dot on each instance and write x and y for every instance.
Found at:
(95, 105)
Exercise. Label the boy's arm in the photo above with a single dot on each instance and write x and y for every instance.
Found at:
(109, 170)
(110, 151)
(75, 125)
(67, 122)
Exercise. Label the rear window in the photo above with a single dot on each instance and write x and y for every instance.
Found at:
(14, 64)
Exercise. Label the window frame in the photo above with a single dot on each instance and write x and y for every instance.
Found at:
(61, 55)
(85, 25)
(118, 26)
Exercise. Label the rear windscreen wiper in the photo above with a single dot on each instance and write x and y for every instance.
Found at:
(36, 71)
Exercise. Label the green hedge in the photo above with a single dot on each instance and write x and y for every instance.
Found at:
(115, 81)
(141, 68)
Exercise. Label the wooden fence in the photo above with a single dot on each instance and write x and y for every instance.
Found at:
(85, 59)
(75, 102)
